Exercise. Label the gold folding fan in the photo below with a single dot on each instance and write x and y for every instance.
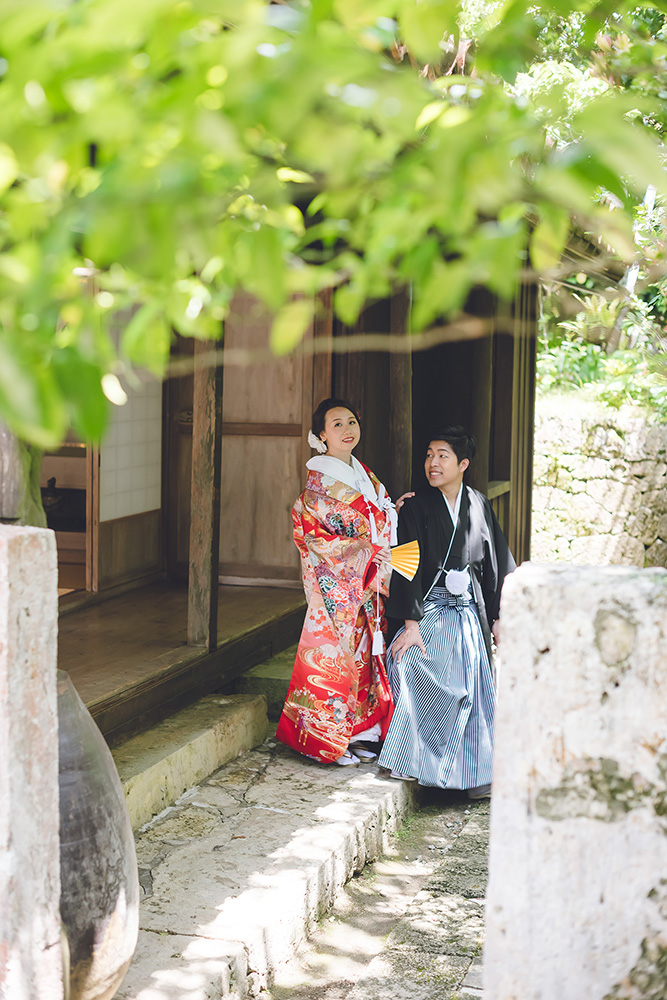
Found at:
(405, 559)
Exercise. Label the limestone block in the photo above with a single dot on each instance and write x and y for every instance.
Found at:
(541, 462)
(588, 517)
(604, 441)
(601, 468)
(177, 967)
(561, 550)
(618, 497)
(662, 528)
(643, 524)
(607, 550)
(654, 442)
(656, 500)
(576, 903)
(555, 473)
(640, 443)
(546, 547)
(656, 555)
(649, 469)
(568, 460)
(30, 950)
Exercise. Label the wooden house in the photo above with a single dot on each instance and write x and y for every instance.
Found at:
(177, 565)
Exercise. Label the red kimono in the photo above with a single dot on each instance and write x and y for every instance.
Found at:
(338, 687)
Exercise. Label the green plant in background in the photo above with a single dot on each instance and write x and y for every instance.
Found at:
(155, 157)
(576, 352)
(603, 326)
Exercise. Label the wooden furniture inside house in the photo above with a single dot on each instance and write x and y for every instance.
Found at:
(66, 489)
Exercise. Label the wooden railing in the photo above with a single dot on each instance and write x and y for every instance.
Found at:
(498, 492)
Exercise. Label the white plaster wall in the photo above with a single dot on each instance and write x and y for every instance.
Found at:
(131, 455)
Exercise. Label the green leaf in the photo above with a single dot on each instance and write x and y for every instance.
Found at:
(423, 25)
(429, 113)
(349, 301)
(629, 149)
(548, 238)
(289, 175)
(362, 13)
(290, 325)
(442, 293)
(80, 382)
(266, 266)
(9, 167)
(146, 339)
(30, 402)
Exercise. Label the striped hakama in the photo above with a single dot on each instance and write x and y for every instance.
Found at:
(442, 729)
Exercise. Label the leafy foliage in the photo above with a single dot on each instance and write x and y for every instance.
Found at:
(575, 353)
(157, 156)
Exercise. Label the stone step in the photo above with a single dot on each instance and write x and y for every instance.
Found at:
(237, 873)
(271, 679)
(157, 766)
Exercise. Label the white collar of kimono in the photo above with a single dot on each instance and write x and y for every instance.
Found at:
(454, 511)
(353, 475)
(358, 479)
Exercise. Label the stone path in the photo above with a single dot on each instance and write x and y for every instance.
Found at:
(243, 867)
(411, 925)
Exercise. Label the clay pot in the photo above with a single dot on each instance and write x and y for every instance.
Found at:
(99, 900)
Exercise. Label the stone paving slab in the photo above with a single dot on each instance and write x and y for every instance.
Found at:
(434, 952)
(237, 872)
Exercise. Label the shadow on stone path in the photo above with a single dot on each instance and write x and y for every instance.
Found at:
(240, 870)
(411, 924)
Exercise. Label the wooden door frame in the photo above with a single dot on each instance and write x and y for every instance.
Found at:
(92, 517)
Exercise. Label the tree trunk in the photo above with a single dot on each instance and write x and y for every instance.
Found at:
(20, 471)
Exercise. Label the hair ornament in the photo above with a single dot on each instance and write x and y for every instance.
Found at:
(317, 444)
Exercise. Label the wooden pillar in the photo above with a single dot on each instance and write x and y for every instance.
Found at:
(523, 421)
(204, 557)
(480, 417)
(400, 400)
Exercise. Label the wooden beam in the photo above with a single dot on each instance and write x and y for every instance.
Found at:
(262, 429)
(205, 502)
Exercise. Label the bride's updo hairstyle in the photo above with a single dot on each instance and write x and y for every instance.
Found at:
(320, 413)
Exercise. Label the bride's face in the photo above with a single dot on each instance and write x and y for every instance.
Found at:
(341, 432)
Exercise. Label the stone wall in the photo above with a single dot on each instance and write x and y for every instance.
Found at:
(600, 484)
(576, 907)
(31, 960)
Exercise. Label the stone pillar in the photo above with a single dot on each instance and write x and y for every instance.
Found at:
(30, 947)
(577, 898)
